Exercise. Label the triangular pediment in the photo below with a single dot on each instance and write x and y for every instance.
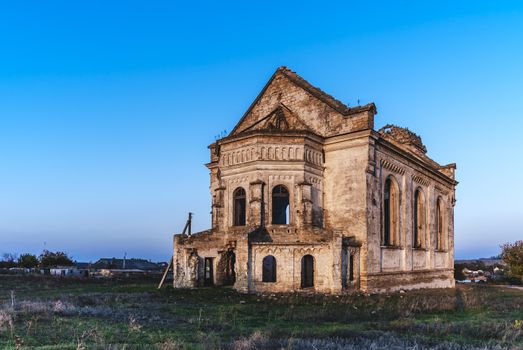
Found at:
(280, 119)
(289, 102)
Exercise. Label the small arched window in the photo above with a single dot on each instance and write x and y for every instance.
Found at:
(440, 225)
(280, 205)
(269, 269)
(390, 213)
(239, 207)
(419, 219)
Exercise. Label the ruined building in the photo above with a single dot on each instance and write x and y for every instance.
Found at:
(308, 196)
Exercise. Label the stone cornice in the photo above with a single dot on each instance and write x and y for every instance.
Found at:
(270, 133)
(442, 190)
(408, 157)
(392, 167)
(336, 142)
(402, 272)
(421, 180)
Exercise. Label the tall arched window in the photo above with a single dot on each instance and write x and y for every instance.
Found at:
(269, 269)
(280, 205)
(239, 207)
(419, 219)
(440, 225)
(391, 213)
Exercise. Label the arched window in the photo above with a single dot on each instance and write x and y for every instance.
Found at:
(440, 225)
(280, 205)
(419, 219)
(391, 213)
(239, 207)
(269, 269)
(307, 271)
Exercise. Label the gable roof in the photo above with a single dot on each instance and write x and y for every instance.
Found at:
(335, 104)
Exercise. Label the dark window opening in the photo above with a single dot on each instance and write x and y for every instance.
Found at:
(351, 268)
(280, 205)
(386, 214)
(307, 271)
(269, 269)
(239, 207)
(417, 241)
(344, 267)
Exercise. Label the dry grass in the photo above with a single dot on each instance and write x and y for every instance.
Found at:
(74, 315)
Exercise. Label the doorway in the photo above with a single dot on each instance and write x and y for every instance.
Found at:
(208, 277)
(230, 274)
(307, 271)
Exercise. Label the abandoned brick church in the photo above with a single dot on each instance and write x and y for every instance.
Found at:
(306, 195)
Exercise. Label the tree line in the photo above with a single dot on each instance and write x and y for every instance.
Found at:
(45, 260)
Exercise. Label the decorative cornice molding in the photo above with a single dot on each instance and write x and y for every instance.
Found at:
(421, 180)
(392, 167)
(442, 190)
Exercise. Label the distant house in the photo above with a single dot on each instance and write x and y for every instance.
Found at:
(126, 264)
(112, 267)
(82, 265)
(20, 270)
(68, 271)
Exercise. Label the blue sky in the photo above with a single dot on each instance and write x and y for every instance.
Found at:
(107, 107)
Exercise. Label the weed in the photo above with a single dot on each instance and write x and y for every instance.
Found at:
(134, 325)
(256, 341)
(7, 321)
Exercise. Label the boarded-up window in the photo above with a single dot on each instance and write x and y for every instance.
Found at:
(419, 219)
(391, 213)
(440, 225)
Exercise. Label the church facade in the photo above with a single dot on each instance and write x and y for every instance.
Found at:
(308, 196)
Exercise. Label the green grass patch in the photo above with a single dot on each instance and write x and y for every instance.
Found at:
(54, 313)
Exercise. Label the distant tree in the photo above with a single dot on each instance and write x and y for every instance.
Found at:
(49, 259)
(512, 255)
(28, 261)
(8, 261)
(458, 272)
(9, 257)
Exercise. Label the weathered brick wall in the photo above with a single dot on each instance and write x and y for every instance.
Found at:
(288, 263)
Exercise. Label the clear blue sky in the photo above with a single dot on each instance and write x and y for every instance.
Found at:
(107, 107)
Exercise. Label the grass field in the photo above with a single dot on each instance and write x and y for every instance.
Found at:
(50, 313)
